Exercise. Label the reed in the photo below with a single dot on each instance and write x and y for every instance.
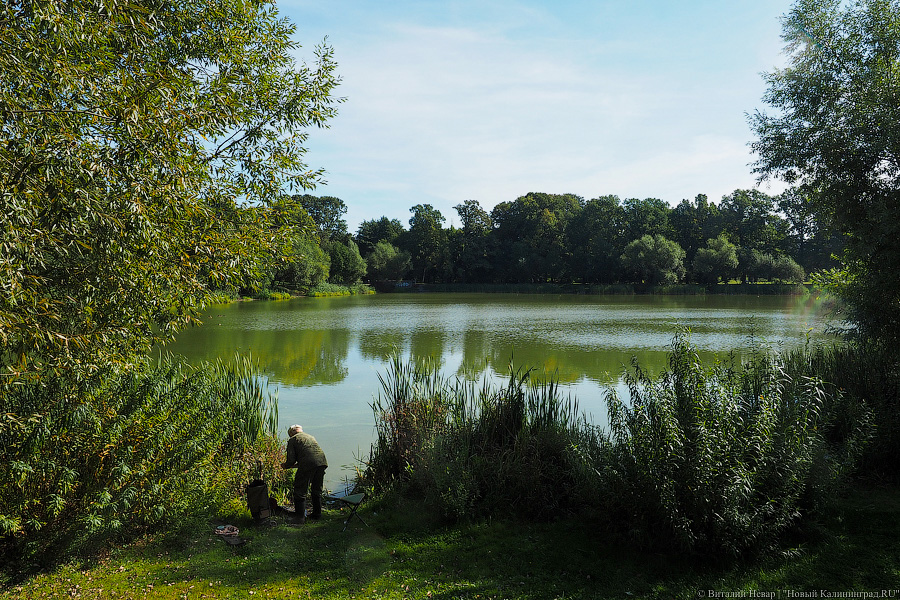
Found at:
(722, 459)
(472, 449)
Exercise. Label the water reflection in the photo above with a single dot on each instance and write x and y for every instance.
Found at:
(325, 353)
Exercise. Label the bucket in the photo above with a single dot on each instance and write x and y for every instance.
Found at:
(258, 500)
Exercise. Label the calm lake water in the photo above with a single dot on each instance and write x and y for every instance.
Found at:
(324, 354)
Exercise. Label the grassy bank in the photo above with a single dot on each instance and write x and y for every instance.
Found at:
(331, 289)
(404, 555)
(321, 290)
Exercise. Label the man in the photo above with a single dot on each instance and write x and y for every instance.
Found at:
(304, 454)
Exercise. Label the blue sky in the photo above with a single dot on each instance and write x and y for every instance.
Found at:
(489, 100)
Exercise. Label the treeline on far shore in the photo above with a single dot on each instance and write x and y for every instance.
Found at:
(684, 289)
(563, 239)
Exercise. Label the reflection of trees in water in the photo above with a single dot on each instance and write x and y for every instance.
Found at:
(546, 362)
(288, 356)
(330, 365)
(305, 357)
(475, 361)
(428, 344)
(381, 344)
(423, 344)
(486, 348)
(484, 356)
(569, 365)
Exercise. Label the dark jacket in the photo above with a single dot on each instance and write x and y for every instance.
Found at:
(304, 453)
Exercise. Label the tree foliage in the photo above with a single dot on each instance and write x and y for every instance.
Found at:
(386, 262)
(834, 133)
(598, 239)
(718, 260)
(369, 233)
(347, 266)
(654, 260)
(749, 219)
(128, 133)
(426, 241)
(472, 246)
(307, 266)
(327, 212)
(693, 223)
(560, 238)
(532, 235)
(649, 216)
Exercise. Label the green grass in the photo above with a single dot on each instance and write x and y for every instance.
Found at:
(403, 554)
(333, 289)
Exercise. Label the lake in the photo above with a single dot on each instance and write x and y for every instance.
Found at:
(324, 354)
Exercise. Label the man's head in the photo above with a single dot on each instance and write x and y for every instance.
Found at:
(294, 430)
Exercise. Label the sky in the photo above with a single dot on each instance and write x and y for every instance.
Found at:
(489, 100)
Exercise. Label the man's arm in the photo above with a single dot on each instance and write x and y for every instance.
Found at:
(290, 457)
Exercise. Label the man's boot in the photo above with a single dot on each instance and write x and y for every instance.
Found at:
(300, 510)
(316, 507)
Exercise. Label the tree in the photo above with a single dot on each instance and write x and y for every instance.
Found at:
(654, 260)
(128, 132)
(387, 263)
(426, 241)
(307, 267)
(810, 241)
(471, 246)
(835, 135)
(371, 232)
(693, 223)
(718, 260)
(597, 239)
(328, 213)
(749, 219)
(649, 216)
(786, 269)
(347, 266)
(532, 236)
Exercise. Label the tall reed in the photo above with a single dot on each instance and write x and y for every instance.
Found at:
(474, 449)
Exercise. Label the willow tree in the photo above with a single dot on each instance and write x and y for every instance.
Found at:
(141, 142)
(835, 133)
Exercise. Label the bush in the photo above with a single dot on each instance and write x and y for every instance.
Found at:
(85, 462)
(718, 460)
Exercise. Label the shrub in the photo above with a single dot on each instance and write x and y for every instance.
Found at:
(862, 424)
(719, 460)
